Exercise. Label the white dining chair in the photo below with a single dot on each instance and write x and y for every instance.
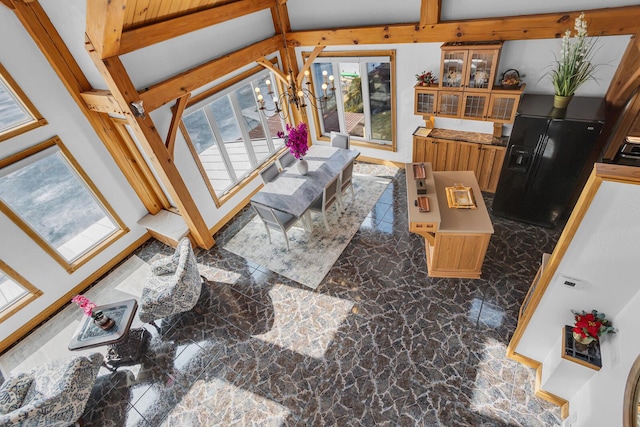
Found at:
(330, 195)
(269, 173)
(346, 177)
(275, 220)
(340, 140)
(285, 159)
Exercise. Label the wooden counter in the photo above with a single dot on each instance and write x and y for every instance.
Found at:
(456, 240)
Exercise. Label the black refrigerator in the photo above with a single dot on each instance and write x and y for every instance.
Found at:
(547, 156)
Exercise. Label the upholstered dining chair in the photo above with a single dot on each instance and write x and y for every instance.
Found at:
(275, 220)
(54, 394)
(174, 285)
(285, 159)
(340, 140)
(330, 195)
(269, 173)
(346, 181)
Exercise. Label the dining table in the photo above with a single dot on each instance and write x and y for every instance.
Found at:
(293, 193)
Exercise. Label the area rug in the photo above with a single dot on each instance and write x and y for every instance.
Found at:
(311, 255)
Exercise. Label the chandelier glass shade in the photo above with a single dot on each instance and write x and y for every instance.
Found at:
(294, 95)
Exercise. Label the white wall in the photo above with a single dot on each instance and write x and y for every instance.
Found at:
(31, 71)
(601, 400)
(603, 254)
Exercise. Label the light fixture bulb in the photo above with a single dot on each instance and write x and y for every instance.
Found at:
(324, 73)
(260, 97)
(324, 86)
(258, 90)
(300, 94)
(306, 73)
(267, 82)
(331, 78)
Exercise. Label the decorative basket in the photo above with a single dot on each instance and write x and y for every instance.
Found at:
(511, 79)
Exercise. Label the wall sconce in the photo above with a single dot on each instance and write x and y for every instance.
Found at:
(137, 109)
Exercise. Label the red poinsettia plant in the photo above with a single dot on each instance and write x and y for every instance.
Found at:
(85, 304)
(591, 326)
(296, 139)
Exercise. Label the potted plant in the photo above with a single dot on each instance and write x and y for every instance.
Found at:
(589, 327)
(574, 67)
(297, 141)
(426, 78)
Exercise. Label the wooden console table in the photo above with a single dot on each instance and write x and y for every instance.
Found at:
(456, 240)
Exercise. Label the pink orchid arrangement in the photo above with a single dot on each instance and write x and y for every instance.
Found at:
(85, 304)
(296, 139)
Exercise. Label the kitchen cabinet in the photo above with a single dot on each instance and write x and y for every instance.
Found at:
(426, 100)
(456, 240)
(489, 167)
(441, 153)
(468, 157)
(466, 89)
(469, 66)
(448, 155)
(503, 105)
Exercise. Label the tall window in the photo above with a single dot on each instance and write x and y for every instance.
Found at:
(364, 103)
(46, 193)
(15, 291)
(17, 113)
(229, 136)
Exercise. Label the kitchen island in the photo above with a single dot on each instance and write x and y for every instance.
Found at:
(456, 239)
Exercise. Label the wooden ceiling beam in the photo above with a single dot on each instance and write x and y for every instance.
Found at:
(602, 22)
(183, 83)
(115, 75)
(7, 3)
(105, 22)
(627, 76)
(102, 101)
(178, 110)
(430, 12)
(147, 35)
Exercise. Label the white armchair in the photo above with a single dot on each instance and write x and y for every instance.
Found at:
(174, 285)
(51, 395)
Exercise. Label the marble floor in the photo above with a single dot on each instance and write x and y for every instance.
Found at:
(378, 343)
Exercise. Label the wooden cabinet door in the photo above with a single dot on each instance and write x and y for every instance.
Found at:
(453, 68)
(490, 165)
(503, 107)
(481, 69)
(468, 158)
(424, 150)
(446, 155)
(475, 105)
(449, 104)
(426, 100)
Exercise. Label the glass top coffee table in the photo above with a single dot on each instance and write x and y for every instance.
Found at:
(90, 335)
(126, 346)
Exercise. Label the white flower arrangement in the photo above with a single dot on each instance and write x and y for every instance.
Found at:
(574, 66)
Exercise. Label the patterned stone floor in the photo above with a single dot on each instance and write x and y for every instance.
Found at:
(378, 343)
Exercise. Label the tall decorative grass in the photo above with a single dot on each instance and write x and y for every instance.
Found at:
(574, 66)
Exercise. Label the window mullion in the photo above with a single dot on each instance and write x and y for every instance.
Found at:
(366, 106)
(246, 138)
(221, 148)
(339, 96)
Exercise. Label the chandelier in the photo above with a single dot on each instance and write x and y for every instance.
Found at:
(297, 92)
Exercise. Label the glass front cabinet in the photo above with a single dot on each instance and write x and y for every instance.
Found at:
(467, 88)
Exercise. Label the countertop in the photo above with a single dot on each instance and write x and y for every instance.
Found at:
(458, 135)
(449, 220)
